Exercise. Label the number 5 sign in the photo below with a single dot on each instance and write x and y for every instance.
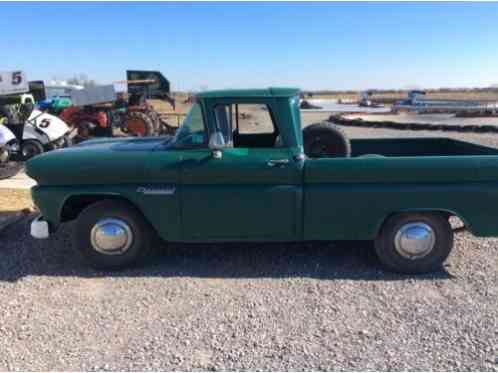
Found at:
(13, 82)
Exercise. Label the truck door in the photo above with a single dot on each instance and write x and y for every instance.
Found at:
(253, 192)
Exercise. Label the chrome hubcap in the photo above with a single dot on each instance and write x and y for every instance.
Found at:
(414, 240)
(111, 236)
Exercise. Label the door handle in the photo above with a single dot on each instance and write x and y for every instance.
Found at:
(277, 162)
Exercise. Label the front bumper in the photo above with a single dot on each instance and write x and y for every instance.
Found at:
(40, 228)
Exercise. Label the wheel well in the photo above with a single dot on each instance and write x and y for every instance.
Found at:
(75, 204)
(446, 213)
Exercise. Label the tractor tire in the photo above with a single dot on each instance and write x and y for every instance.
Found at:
(30, 149)
(140, 124)
(325, 140)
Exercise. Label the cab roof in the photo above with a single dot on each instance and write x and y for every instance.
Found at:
(264, 92)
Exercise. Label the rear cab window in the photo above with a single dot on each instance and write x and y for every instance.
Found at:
(246, 124)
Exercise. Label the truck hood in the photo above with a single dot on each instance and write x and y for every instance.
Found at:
(102, 161)
(121, 143)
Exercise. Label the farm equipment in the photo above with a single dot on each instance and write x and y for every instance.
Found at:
(95, 111)
(142, 119)
(90, 112)
(52, 99)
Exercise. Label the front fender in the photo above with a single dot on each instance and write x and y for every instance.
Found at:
(162, 212)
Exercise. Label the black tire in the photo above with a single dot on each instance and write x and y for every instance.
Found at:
(325, 140)
(139, 124)
(30, 149)
(391, 257)
(141, 235)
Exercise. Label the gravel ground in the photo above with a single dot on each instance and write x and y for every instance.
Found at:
(250, 307)
(247, 307)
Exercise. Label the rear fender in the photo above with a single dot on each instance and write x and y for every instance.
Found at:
(446, 212)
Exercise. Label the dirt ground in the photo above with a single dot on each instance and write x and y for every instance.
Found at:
(14, 200)
(14, 205)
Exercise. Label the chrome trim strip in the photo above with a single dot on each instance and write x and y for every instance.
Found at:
(167, 190)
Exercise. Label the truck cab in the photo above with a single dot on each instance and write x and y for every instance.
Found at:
(246, 156)
(241, 168)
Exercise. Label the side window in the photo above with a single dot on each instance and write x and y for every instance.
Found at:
(253, 119)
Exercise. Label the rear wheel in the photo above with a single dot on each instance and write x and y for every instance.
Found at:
(414, 242)
(112, 235)
(139, 124)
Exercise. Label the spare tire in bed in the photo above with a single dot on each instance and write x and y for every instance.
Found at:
(325, 140)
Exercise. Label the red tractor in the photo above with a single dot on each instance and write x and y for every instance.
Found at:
(89, 121)
(143, 86)
(134, 115)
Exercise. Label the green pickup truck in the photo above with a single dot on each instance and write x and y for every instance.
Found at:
(241, 168)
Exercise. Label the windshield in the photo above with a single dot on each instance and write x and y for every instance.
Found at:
(191, 132)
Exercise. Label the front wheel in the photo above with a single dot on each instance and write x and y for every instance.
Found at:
(112, 235)
(414, 242)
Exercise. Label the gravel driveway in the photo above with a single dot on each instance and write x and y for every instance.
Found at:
(250, 307)
(247, 307)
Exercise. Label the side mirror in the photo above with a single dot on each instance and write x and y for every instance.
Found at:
(216, 144)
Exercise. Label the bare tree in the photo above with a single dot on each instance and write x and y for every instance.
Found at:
(81, 79)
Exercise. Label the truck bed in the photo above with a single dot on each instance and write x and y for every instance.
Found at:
(412, 147)
(385, 176)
